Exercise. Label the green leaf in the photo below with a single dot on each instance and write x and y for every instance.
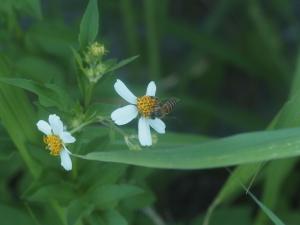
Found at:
(288, 116)
(234, 150)
(18, 123)
(89, 24)
(42, 39)
(49, 94)
(110, 173)
(113, 217)
(231, 188)
(5, 155)
(267, 211)
(78, 59)
(121, 63)
(274, 184)
(107, 196)
(13, 216)
(78, 209)
(7, 148)
(95, 219)
(31, 67)
(59, 192)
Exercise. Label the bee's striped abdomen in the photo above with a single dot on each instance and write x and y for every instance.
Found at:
(169, 105)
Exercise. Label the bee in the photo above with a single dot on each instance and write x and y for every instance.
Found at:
(163, 108)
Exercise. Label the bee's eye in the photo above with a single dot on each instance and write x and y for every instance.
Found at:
(157, 114)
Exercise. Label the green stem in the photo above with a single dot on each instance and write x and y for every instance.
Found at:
(88, 94)
(84, 124)
(109, 123)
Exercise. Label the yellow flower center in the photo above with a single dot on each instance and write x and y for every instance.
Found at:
(146, 104)
(54, 144)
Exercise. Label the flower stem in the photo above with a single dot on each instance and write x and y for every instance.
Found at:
(82, 125)
(108, 123)
(88, 94)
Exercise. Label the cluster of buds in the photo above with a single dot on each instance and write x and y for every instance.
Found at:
(93, 58)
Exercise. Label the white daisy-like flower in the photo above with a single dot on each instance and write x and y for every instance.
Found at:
(143, 106)
(55, 139)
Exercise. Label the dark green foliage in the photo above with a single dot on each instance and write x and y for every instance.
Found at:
(233, 64)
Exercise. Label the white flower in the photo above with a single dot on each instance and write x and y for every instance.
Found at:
(144, 106)
(55, 138)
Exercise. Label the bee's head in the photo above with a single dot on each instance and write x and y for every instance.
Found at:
(156, 114)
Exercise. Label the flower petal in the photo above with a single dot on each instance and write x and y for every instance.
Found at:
(124, 114)
(67, 137)
(124, 92)
(144, 132)
(56, 124)
(44, 127)
(151, 89)
(65, 159)
(158, 125)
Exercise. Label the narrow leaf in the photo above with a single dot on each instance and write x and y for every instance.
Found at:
(267, 211)
(234, 150)
(122, 63)
(89, 24)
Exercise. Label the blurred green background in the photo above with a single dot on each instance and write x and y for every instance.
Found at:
(231, 63)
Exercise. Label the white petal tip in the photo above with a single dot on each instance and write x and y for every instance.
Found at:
(151, 89)
(67, 167)
(124, 92)
(124, 115)
(56, 124)
(44, 127)
(65, 158)
(158, 125)
(67, 137)
(54, 116)
(146, 145)
(144, 134)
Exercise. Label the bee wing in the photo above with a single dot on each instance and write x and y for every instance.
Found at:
(170, 99)
(175, 99)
